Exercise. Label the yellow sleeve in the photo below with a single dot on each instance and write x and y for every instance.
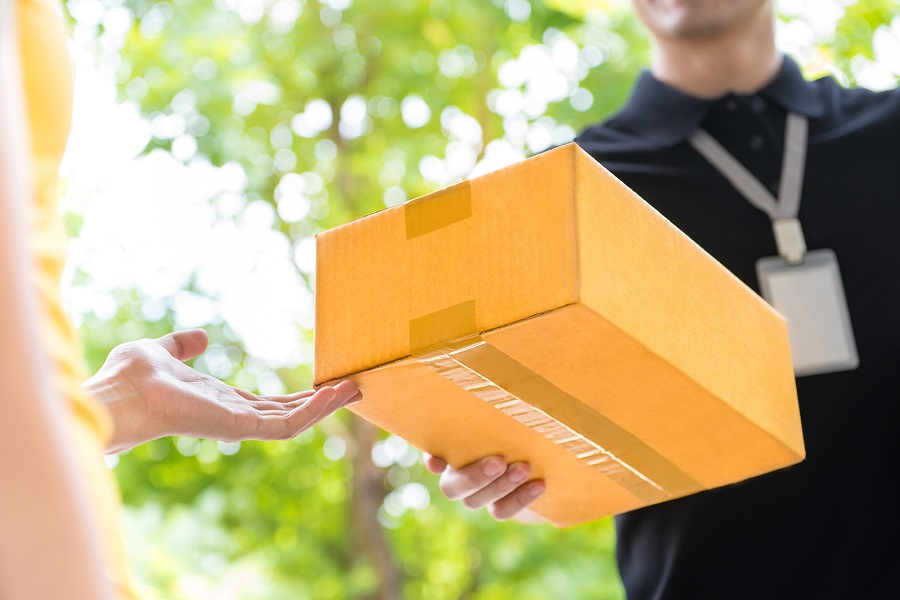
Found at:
(48, 89)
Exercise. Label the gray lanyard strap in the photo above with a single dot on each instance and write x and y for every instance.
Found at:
(783, 211)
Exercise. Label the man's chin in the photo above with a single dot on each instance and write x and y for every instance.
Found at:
(694, 20)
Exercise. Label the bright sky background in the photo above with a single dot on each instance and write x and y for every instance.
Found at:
(150, 222)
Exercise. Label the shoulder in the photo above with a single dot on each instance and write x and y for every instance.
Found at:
(857, 108)
(610, 139)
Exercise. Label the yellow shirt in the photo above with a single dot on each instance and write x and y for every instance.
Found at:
(48, 87)
(48, 90)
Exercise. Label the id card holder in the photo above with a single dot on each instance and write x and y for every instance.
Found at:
(811, 297)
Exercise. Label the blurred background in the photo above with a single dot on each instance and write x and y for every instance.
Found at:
(213, 139)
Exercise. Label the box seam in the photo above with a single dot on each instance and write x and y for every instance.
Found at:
(409, 356)
(576, 254)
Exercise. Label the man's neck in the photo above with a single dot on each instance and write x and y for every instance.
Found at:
(742, 60)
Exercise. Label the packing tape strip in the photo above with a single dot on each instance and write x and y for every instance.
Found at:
(432, 331)
(511, 387)
(437, 210)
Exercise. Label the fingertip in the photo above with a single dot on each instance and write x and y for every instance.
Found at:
(516, 502)
(518, 472)
(185, 345)
(325, 394)
(535, 488)
(434, 464)
(347, 388)
(493, 466)
(193, 341)
(354, 399)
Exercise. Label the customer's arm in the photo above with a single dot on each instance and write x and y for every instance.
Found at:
(47, 544)
(151, 393)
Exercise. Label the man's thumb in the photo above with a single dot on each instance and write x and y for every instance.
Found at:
(185, 345)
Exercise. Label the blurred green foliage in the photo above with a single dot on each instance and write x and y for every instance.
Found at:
(277, 520)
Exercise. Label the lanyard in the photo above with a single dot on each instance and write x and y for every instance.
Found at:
(783, 211)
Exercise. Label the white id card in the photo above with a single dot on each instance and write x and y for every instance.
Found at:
(811, 297)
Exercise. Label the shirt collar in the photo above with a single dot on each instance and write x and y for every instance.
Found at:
(666, 116)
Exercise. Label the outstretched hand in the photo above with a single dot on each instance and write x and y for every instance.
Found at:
(151, 393)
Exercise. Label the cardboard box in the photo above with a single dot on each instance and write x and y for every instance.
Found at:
(544, 312)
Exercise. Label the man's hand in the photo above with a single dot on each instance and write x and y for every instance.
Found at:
(151, 393)
(490, 482)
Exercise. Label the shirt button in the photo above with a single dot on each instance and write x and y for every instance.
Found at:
(756, 142)
(758, 104)
(730, 105)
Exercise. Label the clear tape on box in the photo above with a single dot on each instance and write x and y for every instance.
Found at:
(512, 388)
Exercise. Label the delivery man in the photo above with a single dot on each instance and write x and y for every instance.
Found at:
(728, 141)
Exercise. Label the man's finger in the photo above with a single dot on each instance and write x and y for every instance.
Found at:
(434, 464)
(295, 398)
(339, 401)
(249, 396)
(347, 393)
(299, 399)
(346, 390)
(357, 397)
(506, 484)
(185, 345)
(266, 403)
(462, 483)
(511, 505)
(281, 425)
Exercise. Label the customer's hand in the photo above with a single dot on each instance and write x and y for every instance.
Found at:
(503, 489)
(151, 393)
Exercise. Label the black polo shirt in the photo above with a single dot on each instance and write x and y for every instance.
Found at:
(830, 526)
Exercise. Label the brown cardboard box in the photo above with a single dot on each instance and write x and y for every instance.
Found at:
(544, 312)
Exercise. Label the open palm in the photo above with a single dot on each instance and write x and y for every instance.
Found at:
(151, 393)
